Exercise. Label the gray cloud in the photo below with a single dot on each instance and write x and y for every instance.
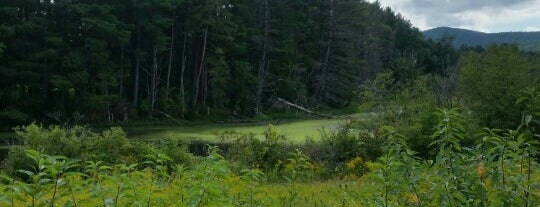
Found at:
(483, 15)
(457, 6)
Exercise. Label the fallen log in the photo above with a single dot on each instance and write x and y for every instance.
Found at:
(168, 116)
(288, 103)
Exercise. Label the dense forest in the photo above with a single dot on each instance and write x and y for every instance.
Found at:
(121, 60)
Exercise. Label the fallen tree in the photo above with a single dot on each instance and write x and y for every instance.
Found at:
(168, 116)
(288, 103)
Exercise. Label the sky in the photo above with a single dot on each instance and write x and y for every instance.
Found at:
(479, 15)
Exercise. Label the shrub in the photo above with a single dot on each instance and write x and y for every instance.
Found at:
(346, 142)
(498, 171)
(356, 167)
(299, 167)
(111, 146)
(54, 140)
(266, 154)
(175, 148)
(16, 160)
(490, 82)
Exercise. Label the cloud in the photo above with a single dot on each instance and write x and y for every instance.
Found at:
(532, 29)
(482, 15)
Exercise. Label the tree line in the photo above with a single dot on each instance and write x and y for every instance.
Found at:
(129, 59)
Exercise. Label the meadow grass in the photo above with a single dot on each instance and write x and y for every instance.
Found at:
(296, 131)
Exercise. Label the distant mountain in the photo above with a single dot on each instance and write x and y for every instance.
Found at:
(528, 41)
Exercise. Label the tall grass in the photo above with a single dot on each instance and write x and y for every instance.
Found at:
(500, 170)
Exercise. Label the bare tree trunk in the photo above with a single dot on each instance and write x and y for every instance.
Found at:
(201, 67)
(324, 73)
(184, 59)
(170, 58)
(137, 68)
(205, 86)
(263, 62)
(154, 78)
(121, 86)
(110, 114)
(45, 83)
(148, 84)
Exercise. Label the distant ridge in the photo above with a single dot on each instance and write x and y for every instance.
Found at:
(527, 41)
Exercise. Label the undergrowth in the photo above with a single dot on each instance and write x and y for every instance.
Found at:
(500, 170)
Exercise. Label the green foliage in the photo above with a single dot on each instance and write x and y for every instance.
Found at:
(16, 160)
(494, 76)
(298, 166)
(529, 101)
(346, 142)
(276, 158)
(53, 140)
(268, 154)
(111, 146)
(398, 173)
(501, 169)
(408, 105)
(194, 59)
(498, 171)
(175, 149)
(207, 179)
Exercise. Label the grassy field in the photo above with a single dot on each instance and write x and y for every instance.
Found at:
(296, 131)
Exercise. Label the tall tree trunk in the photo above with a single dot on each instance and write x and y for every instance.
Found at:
(324, 66)
(154, 78)
(110, 114)
(205, 86)
(263, 61)
(170, 58)
(182, 70)
(137, 67)
(121, 75)
(45, 82)
(201, 67)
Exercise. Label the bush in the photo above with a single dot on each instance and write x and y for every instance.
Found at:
(490, 82)
(111, 146)
(267, 154)
(356, 168)
(347, 142)
(54, 140)
(497, 171)
(174, 148)
(500, 170)
(16, 160)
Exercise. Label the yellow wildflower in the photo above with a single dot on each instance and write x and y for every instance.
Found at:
(481, 170)
(413, 198)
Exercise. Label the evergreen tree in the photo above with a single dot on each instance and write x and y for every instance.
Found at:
(115, 60)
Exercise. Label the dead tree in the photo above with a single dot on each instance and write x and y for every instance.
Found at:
(263, 62)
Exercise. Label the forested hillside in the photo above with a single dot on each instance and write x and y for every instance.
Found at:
(527, 41)
(123, 60)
